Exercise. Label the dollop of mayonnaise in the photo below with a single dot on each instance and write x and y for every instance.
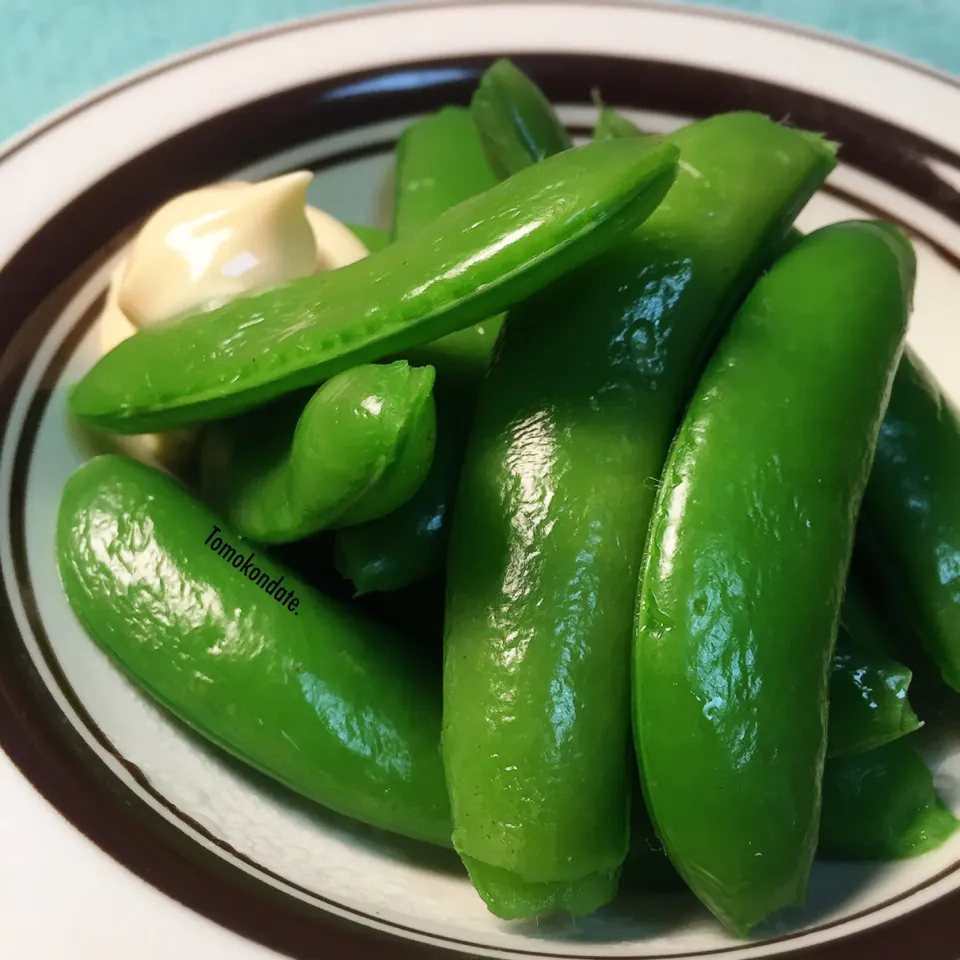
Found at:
(208, 246)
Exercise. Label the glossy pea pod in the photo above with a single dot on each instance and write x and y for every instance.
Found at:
(867, 699)
(613, 125)
(440, 162)
(909, 538)
(299, 686)
(573, 423)
(746, 564)
(868, 689)
(359, 448)
(471, 263)
(516, 122)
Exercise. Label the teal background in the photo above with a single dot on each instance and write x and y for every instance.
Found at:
(52, 51)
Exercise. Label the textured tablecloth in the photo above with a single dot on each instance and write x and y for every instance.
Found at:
(52, 51)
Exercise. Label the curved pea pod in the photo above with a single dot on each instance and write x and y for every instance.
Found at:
(373, 238)
(910, 529)
(881, 805)
(360, 447)
(517, 124)
(868, 700)
(746, 564)
(471, 263)
(573, 423)
(299, 686)
(440, 162)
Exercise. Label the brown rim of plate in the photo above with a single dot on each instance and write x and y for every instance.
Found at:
(33, 729)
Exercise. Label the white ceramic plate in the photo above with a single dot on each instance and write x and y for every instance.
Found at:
(333, 94)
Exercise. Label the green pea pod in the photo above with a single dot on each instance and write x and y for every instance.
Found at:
(440, 162)
(409, 545)
(297, 685)
(517, 124)
(868, 700)
(358, 449)
(612, 125)
(373, 238)
(573, 424)
(910, 526)
(517, 901)
(474, 261)
(746, 563)
(868, 690)
(910, 529)
(881, 805)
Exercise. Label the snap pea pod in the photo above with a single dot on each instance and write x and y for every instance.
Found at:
(910, 529)
(471, 263)
(867, 698)
(746, 563)
(517, 124)
(573, 423)
(359, 448)
(881, 805)
(299, 686)
(440, 162)
(908, 540)
(409, 545)
(373, 238)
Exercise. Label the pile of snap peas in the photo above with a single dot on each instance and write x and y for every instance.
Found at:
(661, 452)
